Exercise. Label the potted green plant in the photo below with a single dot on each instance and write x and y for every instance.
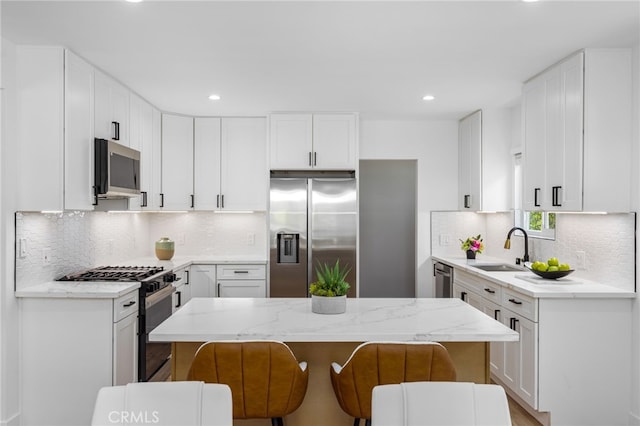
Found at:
(329, 292)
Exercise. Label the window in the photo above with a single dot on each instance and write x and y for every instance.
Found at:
(538, 224)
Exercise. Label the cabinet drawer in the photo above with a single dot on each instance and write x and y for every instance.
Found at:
(520, 304)
(126, 305)
(492, 291)
(242, 288)
(241, 272)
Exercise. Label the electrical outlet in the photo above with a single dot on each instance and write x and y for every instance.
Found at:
(581, 261)
(22, 248)
(46, 256)
(251, 238)
(445, 239)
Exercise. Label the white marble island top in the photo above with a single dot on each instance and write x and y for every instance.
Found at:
(291, 320)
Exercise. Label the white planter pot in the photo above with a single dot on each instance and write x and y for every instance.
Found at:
(328, 305)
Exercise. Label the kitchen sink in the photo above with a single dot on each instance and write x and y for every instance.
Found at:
(496, 267)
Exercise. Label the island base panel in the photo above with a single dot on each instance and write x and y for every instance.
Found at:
(320, 405)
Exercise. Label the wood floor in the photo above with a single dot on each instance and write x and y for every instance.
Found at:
(519, 416)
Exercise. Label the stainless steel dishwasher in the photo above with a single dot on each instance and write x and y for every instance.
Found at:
(444, 279)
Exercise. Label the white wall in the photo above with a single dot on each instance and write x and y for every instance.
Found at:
(434, 144)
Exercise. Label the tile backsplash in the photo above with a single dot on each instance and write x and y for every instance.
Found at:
(608, 241)
(73, 241)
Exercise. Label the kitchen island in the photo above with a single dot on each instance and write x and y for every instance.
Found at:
(322, 339)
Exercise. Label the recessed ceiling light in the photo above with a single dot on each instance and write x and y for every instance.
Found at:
(428, 97)
(214, 97)
(133, 1)
(529, 1)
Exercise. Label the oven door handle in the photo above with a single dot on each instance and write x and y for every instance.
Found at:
(159, 295)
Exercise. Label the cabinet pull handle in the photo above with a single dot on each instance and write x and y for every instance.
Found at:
(536, 203)
(126, 305)
(517, 302)
(161, 200)
(555, 196)
(315, 158)
(222, 201)
(218, 200)
(240, 272)
(115, 130)
(144, 199)
(310, 158)
(467, 201)
(511, 322)
(463, 294)
(218, 290)
(187, 282)
(488, 290)
(192, 200)
(495, 314)
(95, 196)
(515, 323)
(179, 293)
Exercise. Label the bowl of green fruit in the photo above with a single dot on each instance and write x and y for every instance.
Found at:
(551, 269)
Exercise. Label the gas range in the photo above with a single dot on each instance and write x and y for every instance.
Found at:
(152, 278)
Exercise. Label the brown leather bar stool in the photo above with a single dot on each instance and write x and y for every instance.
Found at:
(381, 363)
(265, 378)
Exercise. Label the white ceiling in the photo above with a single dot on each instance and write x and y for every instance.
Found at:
(377, 58)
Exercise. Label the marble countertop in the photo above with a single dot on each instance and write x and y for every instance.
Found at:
(79, 289)
(107, 289)
(526, 282)
(291, 320)
(178, 262)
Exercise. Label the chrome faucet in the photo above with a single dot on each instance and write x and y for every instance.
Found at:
(507, 244)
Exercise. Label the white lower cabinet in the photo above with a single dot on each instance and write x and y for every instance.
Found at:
(72, 347)
(555, 367)
(202, 280)
(242, 280)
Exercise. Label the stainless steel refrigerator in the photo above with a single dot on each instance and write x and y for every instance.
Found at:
(313, 220)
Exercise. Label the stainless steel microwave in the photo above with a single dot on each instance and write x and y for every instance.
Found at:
(117, 170)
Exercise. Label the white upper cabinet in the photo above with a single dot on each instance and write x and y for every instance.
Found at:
(484, 161)
(470, 162)
(577, 134)
(313, 141)
(78, 153)
(244, 177)
(111, 109)
(177, 162)
(54, 91)
(230, 165)
(144, 136)
(206, 167)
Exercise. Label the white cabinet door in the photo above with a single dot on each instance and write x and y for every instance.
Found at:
(242, 288)
(78, 152)
(177, 162)
(202, 279)
(125, 350)
(244, 177)
(496, 362)
(534, 125)
(334, 141)
(111, 109)
(291, 141)
(206, 167)
(469, 162)
(141, 137)
(520, 359)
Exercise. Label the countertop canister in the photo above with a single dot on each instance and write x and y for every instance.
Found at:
(165, 248)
